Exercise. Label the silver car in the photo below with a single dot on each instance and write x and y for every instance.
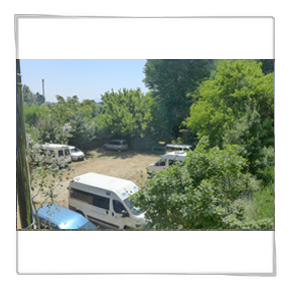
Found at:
(116, 145)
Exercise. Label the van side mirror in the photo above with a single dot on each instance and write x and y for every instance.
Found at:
(124, 213)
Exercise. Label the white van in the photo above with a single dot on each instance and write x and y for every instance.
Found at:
(76, 154)
(105, 200)
(56, 152)
(167, 160)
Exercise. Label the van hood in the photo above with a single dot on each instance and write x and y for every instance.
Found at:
(151, 165)
(79, 154)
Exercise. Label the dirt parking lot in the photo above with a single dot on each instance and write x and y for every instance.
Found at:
(126, 165)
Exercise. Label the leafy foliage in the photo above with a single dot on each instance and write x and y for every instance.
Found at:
(45, 178)
(203, 194)
(51, 131)
(83, 129)
(238, 89)
(170, 81)
(125, 113)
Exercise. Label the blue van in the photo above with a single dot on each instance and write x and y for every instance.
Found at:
(53, 216)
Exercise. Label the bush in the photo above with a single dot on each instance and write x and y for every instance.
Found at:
(203, 194)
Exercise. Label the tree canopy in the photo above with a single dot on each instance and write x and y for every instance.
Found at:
(237, 89)
(126, 113)
(170, 81)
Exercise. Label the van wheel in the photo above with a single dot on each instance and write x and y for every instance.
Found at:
(80, 212)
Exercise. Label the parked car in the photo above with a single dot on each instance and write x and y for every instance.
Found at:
(167, 160)
(105, 200)
(116, 145)
(76, 154)
(178, 147)
(53, 216)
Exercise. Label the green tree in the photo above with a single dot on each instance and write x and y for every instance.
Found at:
(64, 109)
(28, 96)
(45, 179)
(126, 113)
(234, 88)
(52, 131)
(33, 113)
(39, 99)
(83, 130)
(47, 104)
(203, 194)
(170, 81)
(268, 65)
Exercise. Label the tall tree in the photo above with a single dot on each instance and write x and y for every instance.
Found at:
(235, 91)
(28, 96)
(39, 99)
(126, 113)
(83, 129)
(170, 81)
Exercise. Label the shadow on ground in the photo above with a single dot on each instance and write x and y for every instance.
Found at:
(123, 155)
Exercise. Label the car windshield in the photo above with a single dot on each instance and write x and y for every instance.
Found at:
(135, 210)
(75, 150)
(88, 225)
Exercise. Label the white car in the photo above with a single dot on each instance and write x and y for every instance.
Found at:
(76, 154)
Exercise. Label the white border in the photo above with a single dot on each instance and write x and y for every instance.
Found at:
(146, 38)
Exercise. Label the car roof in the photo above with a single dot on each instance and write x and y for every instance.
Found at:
(178, 145)
(118, 140)
(120, 187)
(175, 154)
(54, 146)
(61, 216)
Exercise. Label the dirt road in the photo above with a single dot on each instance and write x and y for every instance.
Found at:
(126, 165)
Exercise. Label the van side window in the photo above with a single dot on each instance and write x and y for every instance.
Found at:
(177, 162)
(101, 202)
(67, 152)
(171, 162)
(118, 206)
(61, 153)
(82, 196)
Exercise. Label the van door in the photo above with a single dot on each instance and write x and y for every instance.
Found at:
(61, 156)
(116, 214)
(100, 212)
(161, 165)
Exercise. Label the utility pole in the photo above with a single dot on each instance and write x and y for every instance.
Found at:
(22, 174)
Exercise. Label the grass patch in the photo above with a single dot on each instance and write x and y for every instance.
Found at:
(261, 205)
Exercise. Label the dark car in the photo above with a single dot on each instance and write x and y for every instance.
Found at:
(116, 145)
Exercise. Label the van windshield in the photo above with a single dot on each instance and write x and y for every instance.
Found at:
(130, 204)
